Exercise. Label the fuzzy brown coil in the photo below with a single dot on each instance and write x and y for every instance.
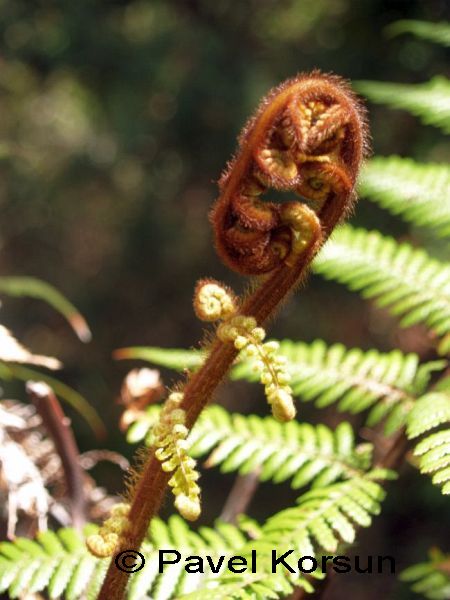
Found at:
(307, 138)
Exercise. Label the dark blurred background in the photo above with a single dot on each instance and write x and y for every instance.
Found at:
(116, 120)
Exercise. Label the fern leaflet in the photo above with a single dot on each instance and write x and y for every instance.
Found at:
(430, 579)
(386, 383)
(420, 193)
(322, 520)
(428, 413)
(434, 32)
(35, 288)
(401, 278)
(429, 101)
(294, 450)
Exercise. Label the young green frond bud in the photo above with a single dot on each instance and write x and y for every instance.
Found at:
(213, 300)
(170, 443)
(106, 540)
(187, 507)
(283, 408)
(120, 510)
(247, 337)
(102, 546)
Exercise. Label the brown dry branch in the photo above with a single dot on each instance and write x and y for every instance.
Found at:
(58, 427)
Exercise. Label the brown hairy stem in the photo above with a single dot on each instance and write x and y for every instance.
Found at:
(308, 138)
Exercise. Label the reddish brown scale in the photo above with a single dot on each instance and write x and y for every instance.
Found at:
(307, 138)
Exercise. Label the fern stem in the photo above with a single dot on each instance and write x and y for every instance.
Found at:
(149, 491)
(278, 243)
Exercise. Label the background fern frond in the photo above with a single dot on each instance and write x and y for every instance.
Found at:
(428, 413)
(57, 562)
(294, 450)
(60, 564)
(399, 277)
(249, 586)
(325, 517)
(224, 539)
(386, 383)
(419, 193)
(429, 101)
(430, 579)
(322, 520)
(438, 32)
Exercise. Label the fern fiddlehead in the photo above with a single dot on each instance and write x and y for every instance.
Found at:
(307, 138)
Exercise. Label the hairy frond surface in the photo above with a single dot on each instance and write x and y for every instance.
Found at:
(296, 451)
(438, 32)
(429, 101)
(419, 193)
(430, 579)
(403, 279)
(430, 412)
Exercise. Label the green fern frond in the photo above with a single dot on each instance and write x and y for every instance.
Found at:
(223, 539)
(429, 101)
(431, 411)
(434, 32)
(428, 412)
(322, 520)
(60, 564)
(386, 383)
(419, 193)
(294, 450)
(430, 579)
(399, 277)
(324, 517)
(249, 586)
